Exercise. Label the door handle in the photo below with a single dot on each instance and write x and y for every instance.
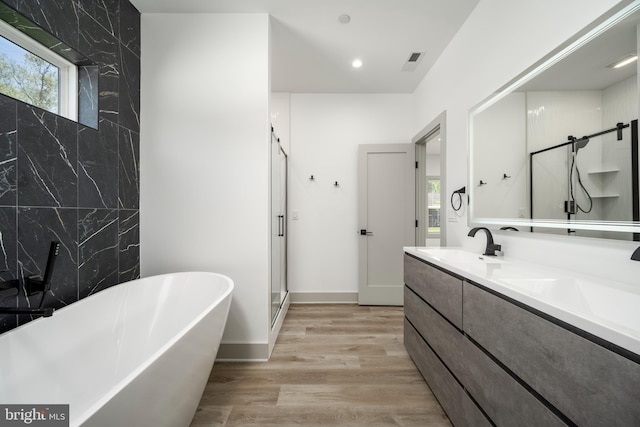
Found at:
(280, 225)
(364, 232)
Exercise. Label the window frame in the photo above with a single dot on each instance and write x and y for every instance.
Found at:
(67, 71)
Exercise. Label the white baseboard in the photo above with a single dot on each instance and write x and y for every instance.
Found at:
(243, 353)
(324, 297)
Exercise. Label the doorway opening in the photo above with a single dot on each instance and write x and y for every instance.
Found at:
(431, 183)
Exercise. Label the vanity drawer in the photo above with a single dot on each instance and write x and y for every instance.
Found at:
(591, 385)
(444, 339)
(459, 408)
(443, 291)
(503, 399)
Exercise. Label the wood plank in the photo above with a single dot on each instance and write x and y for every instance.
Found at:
(351, 395)
(332, 365)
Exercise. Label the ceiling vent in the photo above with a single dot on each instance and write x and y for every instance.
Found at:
(413, 61)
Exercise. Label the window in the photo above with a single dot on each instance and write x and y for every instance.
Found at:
(433, 206)
(34, 74)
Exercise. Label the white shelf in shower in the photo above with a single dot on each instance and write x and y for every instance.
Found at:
(603, 171)
(605, 196)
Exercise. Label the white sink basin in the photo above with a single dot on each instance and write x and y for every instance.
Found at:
(614, 305)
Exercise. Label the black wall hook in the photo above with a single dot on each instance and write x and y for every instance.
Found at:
(311, 178)
(482, 183)
(336, 184)
(505, 176)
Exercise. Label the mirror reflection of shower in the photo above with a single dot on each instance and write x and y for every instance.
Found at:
(583, 178)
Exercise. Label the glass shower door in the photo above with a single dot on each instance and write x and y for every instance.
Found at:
(278, 227)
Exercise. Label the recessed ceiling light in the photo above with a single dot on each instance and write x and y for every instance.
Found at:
(344, 18)
(624, 61)
(356, 63)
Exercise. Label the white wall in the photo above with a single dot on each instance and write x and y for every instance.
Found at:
(326, 130)
(499, 140)
(205, 155)
(500, 39)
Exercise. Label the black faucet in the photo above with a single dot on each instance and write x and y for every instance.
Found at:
(491, 247)
(35, 285)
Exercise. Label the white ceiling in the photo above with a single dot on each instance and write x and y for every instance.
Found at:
(312, 51)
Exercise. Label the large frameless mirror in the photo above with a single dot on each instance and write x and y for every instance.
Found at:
(556, 149)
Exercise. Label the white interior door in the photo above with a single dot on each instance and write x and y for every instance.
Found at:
(386, 217)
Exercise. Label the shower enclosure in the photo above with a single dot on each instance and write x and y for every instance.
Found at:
(592, 177)
(278, 227)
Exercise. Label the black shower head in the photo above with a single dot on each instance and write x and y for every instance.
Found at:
(580, 143)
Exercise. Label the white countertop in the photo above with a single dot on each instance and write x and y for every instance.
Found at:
(607, 309)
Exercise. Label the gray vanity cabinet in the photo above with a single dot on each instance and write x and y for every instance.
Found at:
(445, 339)
(590, 384)
(459, 407)
(434, 341)
(510, 364)
(443, 291)
(505, 400)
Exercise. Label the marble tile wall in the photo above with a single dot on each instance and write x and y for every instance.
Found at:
(74, 182)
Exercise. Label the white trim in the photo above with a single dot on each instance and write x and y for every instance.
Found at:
(67, 71)
(247, 352)
(324, 297)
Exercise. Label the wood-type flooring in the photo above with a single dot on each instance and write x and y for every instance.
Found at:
(332, 365)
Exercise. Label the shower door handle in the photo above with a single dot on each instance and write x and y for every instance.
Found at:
(280, 225)
(364, 232)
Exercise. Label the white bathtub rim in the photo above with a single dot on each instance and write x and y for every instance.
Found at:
(77, 420)
(114, 288)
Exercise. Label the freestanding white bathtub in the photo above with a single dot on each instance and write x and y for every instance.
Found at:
(137, 354)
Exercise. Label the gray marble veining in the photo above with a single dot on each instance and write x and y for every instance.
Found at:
(8, 155)
(75, 182)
